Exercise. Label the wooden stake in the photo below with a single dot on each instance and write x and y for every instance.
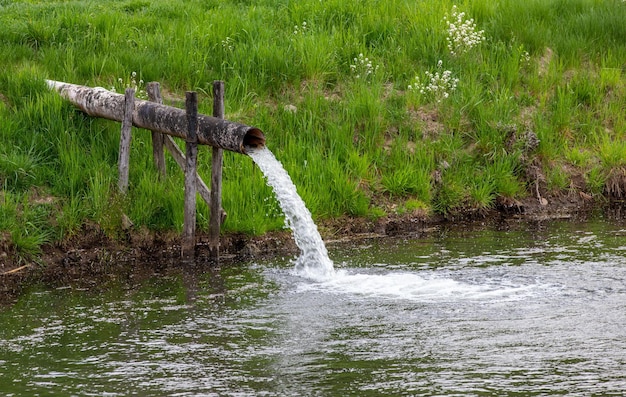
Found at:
(125, 138)
(154, 94)
(189, 228)
(216, 219)
(181, 160)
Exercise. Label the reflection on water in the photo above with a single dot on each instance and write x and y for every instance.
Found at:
(537, 311)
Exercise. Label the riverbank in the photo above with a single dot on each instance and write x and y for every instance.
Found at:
(389, 116)
(375, 109)
(92, 260)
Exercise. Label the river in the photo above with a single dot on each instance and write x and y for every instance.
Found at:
(528, 309)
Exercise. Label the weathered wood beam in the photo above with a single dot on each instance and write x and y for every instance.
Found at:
(159, 141)
(181, 160)
(215, 220)
(123, 163)
(189, 232)
(156, 117)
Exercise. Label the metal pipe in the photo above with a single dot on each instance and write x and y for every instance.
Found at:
(212, 131)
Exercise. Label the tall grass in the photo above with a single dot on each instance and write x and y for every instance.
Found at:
(328, 84)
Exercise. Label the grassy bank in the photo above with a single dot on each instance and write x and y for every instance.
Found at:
(512, 99)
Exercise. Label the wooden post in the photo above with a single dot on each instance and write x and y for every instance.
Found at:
(189, 228)
(160, 140)
(215, 221)
(125, 138)
(181, 160)
(154, 94)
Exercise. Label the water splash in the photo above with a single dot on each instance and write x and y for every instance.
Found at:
(313, 261)
(410, 286)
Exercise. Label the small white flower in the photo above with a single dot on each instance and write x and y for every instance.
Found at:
(462, 34)
(300, 29)
(228, 43)
(438, 86)
(363, 67)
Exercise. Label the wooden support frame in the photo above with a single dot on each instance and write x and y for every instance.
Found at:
(125, 138)
(213, 196)
(191, 149)
(165, 122)
(217, 214)
(177, 154)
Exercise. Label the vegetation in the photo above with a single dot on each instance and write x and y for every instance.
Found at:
(373, 106)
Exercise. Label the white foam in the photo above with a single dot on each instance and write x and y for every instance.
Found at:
(415, 287)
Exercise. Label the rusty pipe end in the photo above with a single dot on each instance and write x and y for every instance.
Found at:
(254, 138)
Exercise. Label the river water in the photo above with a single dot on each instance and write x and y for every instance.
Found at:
(524, 310)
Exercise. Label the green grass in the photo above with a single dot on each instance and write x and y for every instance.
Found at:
(25, 225)
(360, 142)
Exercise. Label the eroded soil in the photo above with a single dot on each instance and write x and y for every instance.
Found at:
(92, 260)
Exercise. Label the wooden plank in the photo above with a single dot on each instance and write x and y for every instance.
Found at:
(158, 139)
(125, 138)
(191, 146)
(216, 217)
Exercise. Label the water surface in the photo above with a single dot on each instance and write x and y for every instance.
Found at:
(535, 310)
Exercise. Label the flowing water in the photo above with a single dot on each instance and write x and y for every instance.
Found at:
(525, 310)
(313, 261)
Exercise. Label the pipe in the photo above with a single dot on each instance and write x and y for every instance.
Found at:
(220, 133)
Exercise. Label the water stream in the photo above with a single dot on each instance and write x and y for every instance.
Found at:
(313, 261)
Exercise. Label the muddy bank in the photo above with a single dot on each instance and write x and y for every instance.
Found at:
(93, 260)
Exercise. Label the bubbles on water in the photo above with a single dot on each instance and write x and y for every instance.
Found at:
(315, 265)
(413, 286)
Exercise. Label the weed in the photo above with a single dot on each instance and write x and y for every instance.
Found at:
(595, 180)
(462, 34)
(363, 68)
(27, 225)
(437, 86)
(18, 170)
(300, 30)
(131, 82)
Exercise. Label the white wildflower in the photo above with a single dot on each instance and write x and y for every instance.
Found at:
(437, 86)
(228, 43)
(462, 33)
(131, 82)
(302, 29)
(363, 67)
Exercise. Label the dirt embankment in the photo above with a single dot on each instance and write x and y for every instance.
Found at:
(92, 260)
